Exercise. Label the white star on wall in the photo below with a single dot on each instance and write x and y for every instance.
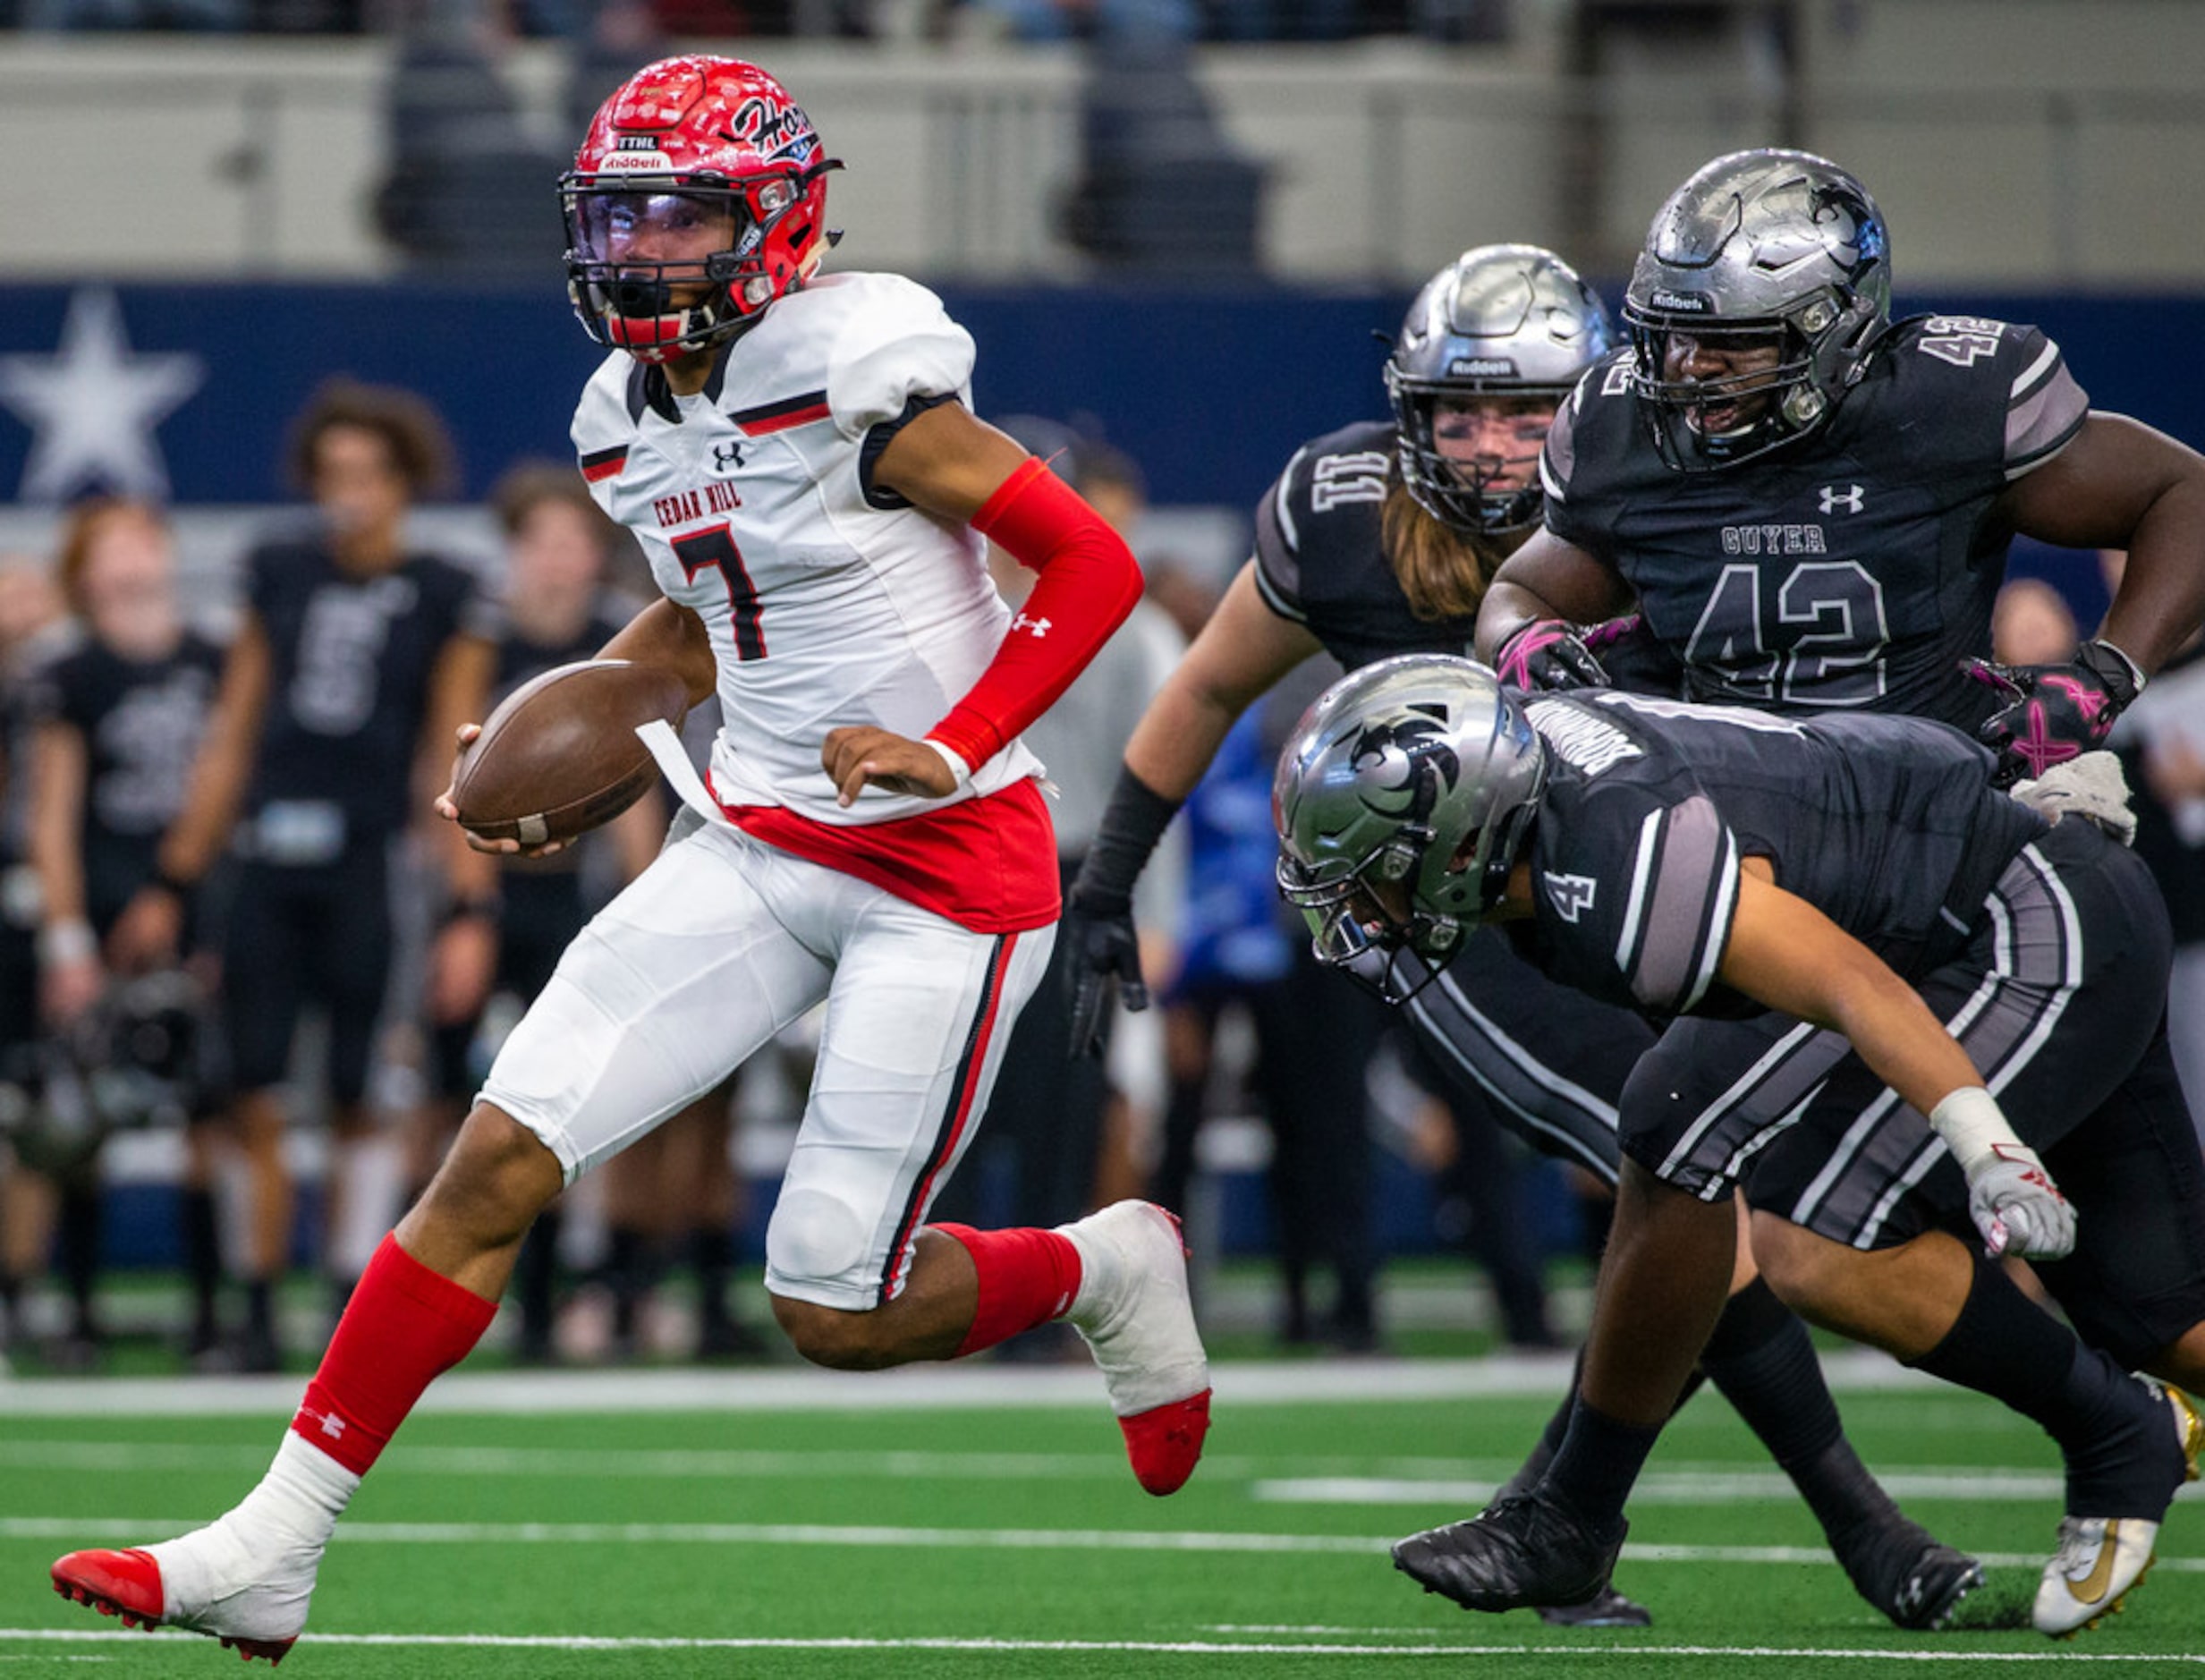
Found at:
(93, 406)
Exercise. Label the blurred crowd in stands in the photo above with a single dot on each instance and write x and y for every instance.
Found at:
(718, 20)
(1159, 187)
(230, 929)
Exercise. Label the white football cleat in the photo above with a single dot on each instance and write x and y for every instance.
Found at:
(1133, 1309)
(2100, 1558)
(251, 1595)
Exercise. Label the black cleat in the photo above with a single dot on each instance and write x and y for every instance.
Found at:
(1914, 1579)
(1528, 1551)
(1605, 1608)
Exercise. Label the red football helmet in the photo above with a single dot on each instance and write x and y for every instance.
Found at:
(698, 198)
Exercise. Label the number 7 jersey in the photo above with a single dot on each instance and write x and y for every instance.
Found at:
(830, 599)
(1855, 568)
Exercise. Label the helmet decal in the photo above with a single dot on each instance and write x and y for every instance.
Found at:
(1414, 753)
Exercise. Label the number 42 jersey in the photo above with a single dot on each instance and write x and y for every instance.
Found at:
(1855, 568)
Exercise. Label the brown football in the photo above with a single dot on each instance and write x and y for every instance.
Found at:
(560, 755)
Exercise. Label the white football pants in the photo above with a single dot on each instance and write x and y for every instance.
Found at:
(720, 944)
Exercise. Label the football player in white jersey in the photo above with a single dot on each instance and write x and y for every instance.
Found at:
(797, 456)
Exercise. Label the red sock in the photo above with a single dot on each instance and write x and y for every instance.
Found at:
(1027, 1277)
(404, 1327)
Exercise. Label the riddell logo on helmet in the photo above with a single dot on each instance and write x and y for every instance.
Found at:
(637, 163)
(1482, 367)
(1682, 302)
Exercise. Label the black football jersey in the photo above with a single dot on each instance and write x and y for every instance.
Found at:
(1855, 569)
(1889, 825)
(350, 660)
(141, 723)
(1321, 554)
(520, 660)
(17, 689)
(544, 888)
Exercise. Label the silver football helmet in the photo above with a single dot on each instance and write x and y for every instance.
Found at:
(1402, 803)
(1500, 320)
(1759, 247)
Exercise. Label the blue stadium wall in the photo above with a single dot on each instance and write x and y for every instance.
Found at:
(1210, 390)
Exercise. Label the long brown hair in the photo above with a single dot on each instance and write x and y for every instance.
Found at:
(1442, 571)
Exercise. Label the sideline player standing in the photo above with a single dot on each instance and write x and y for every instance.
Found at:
(356, 657)
(799, 461)
(1379, 539)
(119, 719)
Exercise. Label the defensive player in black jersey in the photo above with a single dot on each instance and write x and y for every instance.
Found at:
(117, 719)
(1811, 506)
(1379, 539)
(357, 659)
(1806, 903)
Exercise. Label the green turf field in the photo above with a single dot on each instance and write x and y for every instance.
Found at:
(843, 1527)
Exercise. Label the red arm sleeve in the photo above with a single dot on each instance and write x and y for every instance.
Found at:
(1089, 582)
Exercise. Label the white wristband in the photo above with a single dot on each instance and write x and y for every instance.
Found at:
(63, 943)
(1971, 1125)
(958, 767)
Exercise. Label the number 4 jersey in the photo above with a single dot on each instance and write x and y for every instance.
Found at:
(1889, 825)
(1855, 568)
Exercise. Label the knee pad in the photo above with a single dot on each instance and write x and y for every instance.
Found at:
(815, 1236)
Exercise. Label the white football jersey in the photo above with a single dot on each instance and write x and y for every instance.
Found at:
(829, 602)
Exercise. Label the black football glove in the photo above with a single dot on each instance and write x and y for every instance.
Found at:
(1104, 948)
(1548, 654)
(2055, 712)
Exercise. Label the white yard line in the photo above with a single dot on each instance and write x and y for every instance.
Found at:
(914, 1387)
(1338, 1478)
(1156, 1647)
(1217, 1541)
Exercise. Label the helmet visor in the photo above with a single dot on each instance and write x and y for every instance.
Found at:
(667, 232)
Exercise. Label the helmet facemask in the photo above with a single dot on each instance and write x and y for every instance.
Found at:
(1819, 356)
(1465, 495)
(662, 269)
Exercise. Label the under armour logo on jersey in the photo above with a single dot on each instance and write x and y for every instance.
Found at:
(1848, 500)
(1039, 626)
(1572, 895)
(727, 457)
